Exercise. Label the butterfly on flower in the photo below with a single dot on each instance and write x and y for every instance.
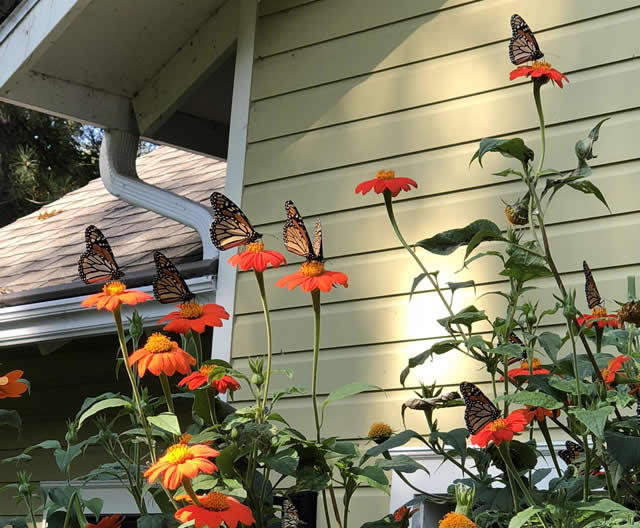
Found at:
(523, 46)
(479, 410)
(97, 263)
(230, 227)
(590, 288)
(296, 238)
(169, 286)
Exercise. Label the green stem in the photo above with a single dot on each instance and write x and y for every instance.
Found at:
(547, 438)
(326, 508)
(267, 321)
(211, 407)
(166, 390)
(537, 84)
(503, 449)
(315, 297)
(587, 468)
(28, 500)
(196, 339)
(186, 484)
(575, 363)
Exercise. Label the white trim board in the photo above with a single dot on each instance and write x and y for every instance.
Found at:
(65, 318)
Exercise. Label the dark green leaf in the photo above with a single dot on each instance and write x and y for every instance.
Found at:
(524, 266)
(351, 389)
(467, 316)
(10, 418)
(457, 439)
(417, 280)
(551, 343)
(155, 520)
(167, 422)
(508, 172)
(535, 399)
(586, 187)
(64, 457)
(447, 242)
(509, 148)
(395, 441)
(438, 348)
(374, 476)
(584, 147)
(401, 464)
(510, 350)
(594, 420)
(453, 286)
(603, 505)
(521, 518)
(101, 406)
(284, 462)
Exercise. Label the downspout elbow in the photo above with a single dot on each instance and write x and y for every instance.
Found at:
(118, 171)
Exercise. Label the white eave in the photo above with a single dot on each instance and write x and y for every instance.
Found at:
(65, 318)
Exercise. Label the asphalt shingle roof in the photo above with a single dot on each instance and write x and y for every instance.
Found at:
(38, 251)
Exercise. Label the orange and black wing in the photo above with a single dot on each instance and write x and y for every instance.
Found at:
(97, 263)
(571, 452)
(479, 410)
(169, 286)
(523, 46)
(590, 288)
(295, 236)
(230, 227)
(515, 340)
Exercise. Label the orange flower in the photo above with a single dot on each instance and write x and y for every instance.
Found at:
(539, 69)
(182, 460)
(386, 181)
(540, 413)
(159, 355)
(524, 370)
(404, 512)
(609, 373)
(10, 387)
(600, 317)
(216, 508)
(113, 521)
(200, 378)
(256, 258)
(115, 293)
(456, 520)
(312, 276)
(194, 316)
(501, 429)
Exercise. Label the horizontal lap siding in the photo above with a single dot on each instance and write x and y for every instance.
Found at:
(413, 86)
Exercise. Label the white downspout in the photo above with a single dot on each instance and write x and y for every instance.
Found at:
(118, 171)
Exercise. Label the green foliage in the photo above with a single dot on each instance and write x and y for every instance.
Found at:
(447, 242)
(509, 148)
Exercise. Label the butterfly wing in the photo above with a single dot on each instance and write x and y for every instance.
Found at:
(294, 233)
(523, 46)
(169, 286)
(230, 227)
(97, 263)
(515, 340)
(479, 410)
(590, 288)
(290, 516)
(317, 243)
(571, 452)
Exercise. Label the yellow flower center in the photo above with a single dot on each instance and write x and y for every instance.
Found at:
(542, 65)
(4, 380)
(599, 311)
(206, 369)
(386, 175)
(255, 247)
(158, 343)
(456, 520)
(215, 501)
(312, 268)
(536, 363)
(178, 454)
(191, 310)
(114, 288)
(498, 424)
(379, 430)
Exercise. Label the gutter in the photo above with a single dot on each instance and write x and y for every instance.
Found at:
(118, 171)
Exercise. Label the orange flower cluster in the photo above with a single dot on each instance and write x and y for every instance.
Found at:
(200, 378)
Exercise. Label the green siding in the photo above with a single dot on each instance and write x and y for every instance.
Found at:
(412, 86)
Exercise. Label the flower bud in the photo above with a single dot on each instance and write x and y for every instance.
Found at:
(257, 380)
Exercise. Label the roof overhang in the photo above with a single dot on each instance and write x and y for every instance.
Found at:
(152, 67)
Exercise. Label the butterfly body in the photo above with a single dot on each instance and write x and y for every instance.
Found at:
(169, 286)
(479, 410)
(97, 263)
(590, 288)
(230, 227)
(296, 238)
(523, 46)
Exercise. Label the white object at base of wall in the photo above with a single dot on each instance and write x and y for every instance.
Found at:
(441, 475)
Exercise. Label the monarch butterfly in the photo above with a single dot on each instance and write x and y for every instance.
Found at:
(169, 286)
(97, 263)
(290, 516)
(523, 45)
(479, 411)
(571, 452)
(296, 238)
(515, 340)
(590, 288)
(230, 227)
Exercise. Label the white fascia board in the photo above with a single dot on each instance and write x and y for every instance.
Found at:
(65, 318)
(163, 93)
(35, 29)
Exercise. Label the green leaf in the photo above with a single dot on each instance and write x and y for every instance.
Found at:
(395, 441)
(10, 418)
(64, 457)
(447, 242)
(584, 147)
(284, 462)
(46, 444)
(481, 236)
(226, 459)
(603, 505)
(594, 420)
(521, 518)
(569, 385)
(351, 389)
(586, 187)
(401, 464)
(508, 172)
(101, 406)
(510, 350)
(551, 343)
(374, 476)
(535, 399)
(623, 448)
(509, 148)
(467, 316)
(417, 280)
(167, 422)
(438, 348)
(524, 266)
(453, 286)
(154, 520)
(457, 439)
